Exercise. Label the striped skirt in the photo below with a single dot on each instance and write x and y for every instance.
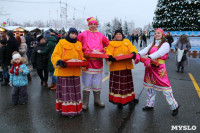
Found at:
(121, 89)
(68, 95)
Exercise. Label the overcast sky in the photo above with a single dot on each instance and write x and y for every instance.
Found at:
(139, 11)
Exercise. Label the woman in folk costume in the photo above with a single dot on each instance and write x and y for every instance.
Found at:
(156, 78)
(68, 89)
(121, 90)
(92, 41)
(183, 44)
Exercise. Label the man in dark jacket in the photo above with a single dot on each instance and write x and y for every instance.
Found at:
(144, 38)
(136, 38)
(3, 58)
(51, 43)
(169, 38)
(2, 52)
(39, 61)
(133, 38)
(29, 39)
(12, 45)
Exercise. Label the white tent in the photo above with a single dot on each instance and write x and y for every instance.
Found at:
(13, 27)
(31, 28)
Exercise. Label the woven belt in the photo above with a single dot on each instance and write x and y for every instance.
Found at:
(160, 61)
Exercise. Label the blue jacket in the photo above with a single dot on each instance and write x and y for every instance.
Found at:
(21, 79)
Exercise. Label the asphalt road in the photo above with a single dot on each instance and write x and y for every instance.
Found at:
(39, 115)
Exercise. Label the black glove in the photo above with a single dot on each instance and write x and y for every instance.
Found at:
(111, 58)
(61, 63)
(134, 55)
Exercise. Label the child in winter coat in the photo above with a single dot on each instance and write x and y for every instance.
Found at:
(18, 79)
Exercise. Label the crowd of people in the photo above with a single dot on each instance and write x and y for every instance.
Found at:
(50, 54)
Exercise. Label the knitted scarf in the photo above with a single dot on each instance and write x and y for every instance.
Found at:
(16, 67)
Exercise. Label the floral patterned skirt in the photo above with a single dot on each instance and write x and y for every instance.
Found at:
(157, 78)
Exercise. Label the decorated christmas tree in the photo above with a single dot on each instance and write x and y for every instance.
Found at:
(176, 15)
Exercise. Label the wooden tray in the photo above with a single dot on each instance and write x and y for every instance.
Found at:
(71, 64)
(123, 57)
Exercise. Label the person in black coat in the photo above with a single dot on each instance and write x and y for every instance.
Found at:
(29, 39)
(144, 38)
(3, 52)
(3, 58)
(39, 61)
(136, 38)
(133, 38)
(170, 39)
(12, 45)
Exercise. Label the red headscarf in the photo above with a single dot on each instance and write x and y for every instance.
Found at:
(159, 29)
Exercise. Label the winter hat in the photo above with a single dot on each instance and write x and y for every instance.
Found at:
(3, 42)
(47, 34)
(91, 20)
(159, 29)
(119, 31)
(71, 30)
(15, 56)
(39, 38)
(10, 33)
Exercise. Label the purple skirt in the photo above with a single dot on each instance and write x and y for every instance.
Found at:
(68, 95)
